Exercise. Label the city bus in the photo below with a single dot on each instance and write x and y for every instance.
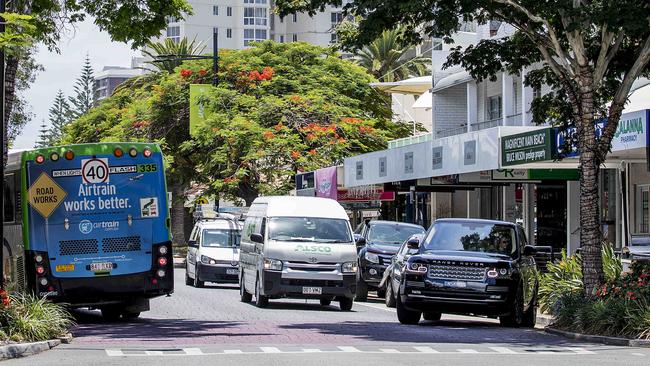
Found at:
(88, 225)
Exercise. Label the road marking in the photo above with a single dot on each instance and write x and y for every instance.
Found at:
(380, 307)
(153, 353)
(193, 351)
(348, 349)
(114, 352)
(638, 354)
(425, 349)
(270, 350)
(580, 351)
(389, 350)
(503, 350)
(311, 350)
(467, 350)
(232, 351)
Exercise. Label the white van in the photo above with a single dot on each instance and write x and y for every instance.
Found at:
(297, 247)
(213, 251)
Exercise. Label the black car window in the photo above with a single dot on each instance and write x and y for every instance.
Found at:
(391, 234)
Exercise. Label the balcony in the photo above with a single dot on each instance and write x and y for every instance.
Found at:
(410, 140)
(452, 131)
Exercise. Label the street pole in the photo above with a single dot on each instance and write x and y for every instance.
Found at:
(215, 56)
(2, 139)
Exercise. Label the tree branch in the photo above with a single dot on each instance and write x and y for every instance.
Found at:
(606, 55)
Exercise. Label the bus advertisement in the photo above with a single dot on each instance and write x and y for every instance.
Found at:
(95, 226)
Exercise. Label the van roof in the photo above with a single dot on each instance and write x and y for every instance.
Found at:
(296, 206)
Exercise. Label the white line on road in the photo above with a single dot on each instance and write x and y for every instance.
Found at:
(380, 307)
(389, 350)
(467, 350)
(193, 351)
(638, 354)
(114, 352)
(425, 349)
(233, 351)
(270, 350)
(311, 350)
(504, 350)
(348, 349)
(580, 351)
(154, 353)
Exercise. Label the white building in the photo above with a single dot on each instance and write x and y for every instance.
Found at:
(239, 22)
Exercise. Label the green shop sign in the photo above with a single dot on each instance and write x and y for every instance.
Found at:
(527, 147)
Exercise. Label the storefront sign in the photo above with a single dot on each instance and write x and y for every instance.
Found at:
(527, 147)
(325, 180)
(364, 193)
(198, 112)
(401, 186)
(514, 175)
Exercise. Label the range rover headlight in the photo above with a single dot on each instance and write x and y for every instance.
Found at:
(371, 257)
(417, 267)
(498, 272)
(272, 264)
(349, 267)
(207, 260)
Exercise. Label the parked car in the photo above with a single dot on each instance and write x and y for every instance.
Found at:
(213, 251)
(300, 247)
(470, 266)
(377, 242)
(393, 273)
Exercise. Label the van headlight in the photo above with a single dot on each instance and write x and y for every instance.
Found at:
(272, 264)
(207, 260)
(371, 257)
(349, 267)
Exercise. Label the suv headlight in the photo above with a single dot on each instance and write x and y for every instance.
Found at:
(349, 267)
(371, 257)
(498, 273)
(416, 267)
(272, 264)
(207, 260)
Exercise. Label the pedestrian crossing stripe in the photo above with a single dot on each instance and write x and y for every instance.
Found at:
(116, 352)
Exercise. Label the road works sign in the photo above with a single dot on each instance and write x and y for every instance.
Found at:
(45, 195)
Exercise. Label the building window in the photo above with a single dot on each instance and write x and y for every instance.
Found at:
(174, 33)
(171, 20)
(334, 38)
(254, 1)
(255, 16)
(295, 38)
(281, 39)
(281, 19)
(537, 93)
(215, 10)
(229, 11)
(642, 210)
(253, 35)
(336, 17)
(295, 17)
(228, 33)
(359, 170)
(494, 107)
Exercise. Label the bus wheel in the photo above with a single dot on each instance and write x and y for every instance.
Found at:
(111, 314)
(131, 314)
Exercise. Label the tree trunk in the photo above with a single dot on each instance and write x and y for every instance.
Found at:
(11, 67)
(590, 233)
(177, 213)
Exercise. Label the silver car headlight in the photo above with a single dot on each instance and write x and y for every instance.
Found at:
(371, 257)
(272, 264)
(207, 260)
(349, 267)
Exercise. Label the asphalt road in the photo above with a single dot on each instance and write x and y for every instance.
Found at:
(211, 326)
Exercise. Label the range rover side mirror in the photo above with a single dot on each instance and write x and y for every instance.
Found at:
(413, 243)
(192, 244)
(257, 238)
(529, 250)
(360, 241)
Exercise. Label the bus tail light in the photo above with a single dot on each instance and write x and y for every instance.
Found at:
(146, 152)
(154, 281)
(54, 156)
(40, 270)
(118, 152)
(162, 250)
(161, 273)
(40, 159)
(43, 281)
(38, 258)
(162, 261)
(133, 152)
(69, 155)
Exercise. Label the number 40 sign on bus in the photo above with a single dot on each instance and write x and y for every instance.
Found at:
(94, 171)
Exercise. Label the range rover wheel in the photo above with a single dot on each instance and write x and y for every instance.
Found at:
(362, 289)
(188, 280)
(131, 314)
(406, 316)
(516, 316)
(432, 315)
(244, 296)
(325, 302)
(197, 283)
(345, 304)
(261, 301)
(111, 313)
(530, 316)
(389, 299)
(381, 293)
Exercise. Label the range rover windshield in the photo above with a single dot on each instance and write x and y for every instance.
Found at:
(309, 229)
(471, 237)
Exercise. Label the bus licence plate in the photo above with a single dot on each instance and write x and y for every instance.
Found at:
(106, 266)
(312, 290)
(232, 271)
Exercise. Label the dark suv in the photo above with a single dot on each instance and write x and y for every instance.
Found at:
(469, 266)
(377, 242)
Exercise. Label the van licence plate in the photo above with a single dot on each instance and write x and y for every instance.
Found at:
(232, 271)
(312, 290)
(456, 284)
(105, 266)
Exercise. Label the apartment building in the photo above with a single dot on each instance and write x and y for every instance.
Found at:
(111, 76)
(240, 22)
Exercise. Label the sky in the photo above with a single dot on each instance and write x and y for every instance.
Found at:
(62, 69)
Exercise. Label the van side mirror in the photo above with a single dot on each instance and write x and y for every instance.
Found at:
(413, 243)
(257, 238)
(529, 250)
(192, 244)
(361, 241)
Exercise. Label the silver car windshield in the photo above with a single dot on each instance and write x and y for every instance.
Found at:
(220, 238)
(309, 229)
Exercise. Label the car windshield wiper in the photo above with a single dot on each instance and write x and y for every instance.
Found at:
(298, 238)
(332, 241)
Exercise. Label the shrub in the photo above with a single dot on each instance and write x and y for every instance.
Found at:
(28, 318)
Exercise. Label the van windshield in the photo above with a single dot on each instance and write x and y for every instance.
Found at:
(320, 230)
(224, 238)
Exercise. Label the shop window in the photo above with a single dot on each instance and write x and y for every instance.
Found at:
(643, 209)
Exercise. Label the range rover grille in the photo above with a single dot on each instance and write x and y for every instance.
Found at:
(456, 272)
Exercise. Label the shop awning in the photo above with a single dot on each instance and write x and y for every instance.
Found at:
(452, 80)
(417, 85)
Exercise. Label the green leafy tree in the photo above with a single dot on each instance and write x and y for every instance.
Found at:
(84, 89)
(389, 59)
(280, 108)
(166, 55)
(589, 51)
(59, 115)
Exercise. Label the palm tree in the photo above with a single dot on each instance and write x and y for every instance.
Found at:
(165, 55)
(389, 59)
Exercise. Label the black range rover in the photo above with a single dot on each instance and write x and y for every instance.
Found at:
(470, 266)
